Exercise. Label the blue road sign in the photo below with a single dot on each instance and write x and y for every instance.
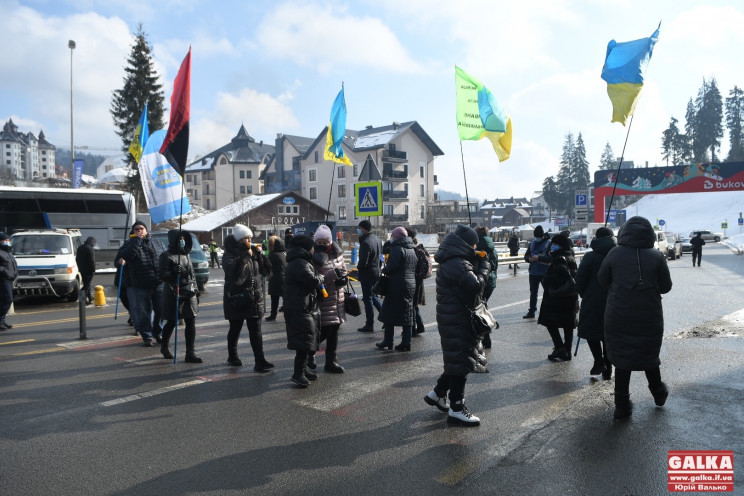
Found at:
(662, 222)
(581, 200)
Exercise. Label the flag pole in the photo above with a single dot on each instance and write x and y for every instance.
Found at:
(330, 191)
(617, 174)
(467, 197)
(178, 280)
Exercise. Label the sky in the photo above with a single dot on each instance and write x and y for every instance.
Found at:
(276, 67)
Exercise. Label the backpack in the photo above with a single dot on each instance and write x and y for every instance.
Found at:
(423, 263)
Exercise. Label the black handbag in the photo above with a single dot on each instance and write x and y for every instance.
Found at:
(351, 302)
(567, 289)
(481, 320)
(381, 286)
(243, 300)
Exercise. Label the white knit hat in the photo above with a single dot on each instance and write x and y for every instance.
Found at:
(240, 231)
(323, 232)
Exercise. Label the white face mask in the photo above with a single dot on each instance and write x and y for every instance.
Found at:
(6, 242)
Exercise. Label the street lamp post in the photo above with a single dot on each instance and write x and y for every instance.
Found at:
(71, 46)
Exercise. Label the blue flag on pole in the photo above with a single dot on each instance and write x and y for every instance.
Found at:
(160, 182)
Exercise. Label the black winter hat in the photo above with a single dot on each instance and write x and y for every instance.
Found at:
(467, 233)
(539, 232)
(3, 236)
(137, 223)
(562, 241)
(604, 232)
(365, 224)
(305, 242)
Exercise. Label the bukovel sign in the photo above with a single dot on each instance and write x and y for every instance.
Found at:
(695, 178)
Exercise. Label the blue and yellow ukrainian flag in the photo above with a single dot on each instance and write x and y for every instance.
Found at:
(624, 69)
(336, 130)
(141, 133)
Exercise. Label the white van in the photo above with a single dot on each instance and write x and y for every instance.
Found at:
(46, 262)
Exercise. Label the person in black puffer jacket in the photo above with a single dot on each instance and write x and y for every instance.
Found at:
(86, 261)
(140, 259)
(171, 264)
(397, 307)
(461, 276)
(278, 260)
(593, 301)
(8, 274)
(241, 263)
(559, 309)
(302, 286)
(637, 275)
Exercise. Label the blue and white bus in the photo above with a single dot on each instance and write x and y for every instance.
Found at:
(107, 215)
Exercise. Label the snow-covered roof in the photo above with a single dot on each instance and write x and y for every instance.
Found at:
(118, 175)
(228, 213)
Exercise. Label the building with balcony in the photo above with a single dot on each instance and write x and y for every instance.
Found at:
(283, 171)
(443, 216)
(24, 157)
(505, 212)
(400, 155)
(229, 173)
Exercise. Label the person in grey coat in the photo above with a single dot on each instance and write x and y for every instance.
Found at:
(461, 277)
(637, 275)
(180, 293)
(397, 307)
(593, 301)
(302, 287)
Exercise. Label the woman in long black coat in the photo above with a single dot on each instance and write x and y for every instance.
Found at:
(302, 286)
(593, 301)
(241, 263)
(558, 309)
(278, 260)
(461, 276)
(173, 263)
(397, 307)
(637, 275)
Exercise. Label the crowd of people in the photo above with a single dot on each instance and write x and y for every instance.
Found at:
(620, 283)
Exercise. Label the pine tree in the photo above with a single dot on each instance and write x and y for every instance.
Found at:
(580, 173)
(550, 194)
(141, 85)
(607, 161)
(735, 124)
(565, 175)
(708, 122)
(698, 151)
(667, 140)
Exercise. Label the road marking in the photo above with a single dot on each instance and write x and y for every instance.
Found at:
(155, 392)
(16, 342)
(38, 352)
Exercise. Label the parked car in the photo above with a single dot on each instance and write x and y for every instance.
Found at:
(199, 259)
(686, 245)
(707, 235)
(661, 242)
(674, 246)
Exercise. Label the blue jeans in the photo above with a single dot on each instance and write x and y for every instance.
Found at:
(140, 307)
(390, 334)
(369, 300)
(534, 287)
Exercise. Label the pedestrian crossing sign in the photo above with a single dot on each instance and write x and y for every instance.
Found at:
(368, 197)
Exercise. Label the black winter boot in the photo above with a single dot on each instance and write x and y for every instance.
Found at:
(623, 406)
(190, 334)
(487, 340)
(232, 349)
(299, 371)
(660, 392)
(311, 363)
(262, 365)
(164, 340)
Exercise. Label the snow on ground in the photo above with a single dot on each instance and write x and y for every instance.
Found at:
(686, 212)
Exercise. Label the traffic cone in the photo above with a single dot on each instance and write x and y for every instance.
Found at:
(98, 297)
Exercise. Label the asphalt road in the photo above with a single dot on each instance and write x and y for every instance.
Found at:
(107, 416)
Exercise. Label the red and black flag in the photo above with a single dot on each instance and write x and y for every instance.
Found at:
(176, 144)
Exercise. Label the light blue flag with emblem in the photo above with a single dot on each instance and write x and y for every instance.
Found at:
(160, 182)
